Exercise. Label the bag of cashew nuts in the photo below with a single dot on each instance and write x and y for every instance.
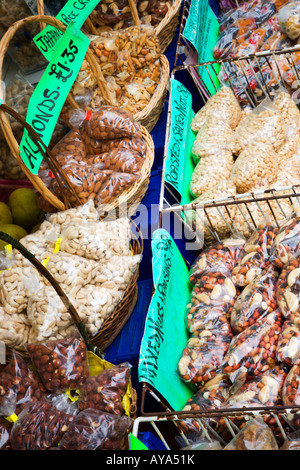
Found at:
(253, 351)
(16, 286)
(222, 255)
(255, 435)
(215, 134)
(97, 240)
(105, 391)
(61, 364)
(288, 290)
(116, 272)
(256, 300)
(14, 329)
(288, 347)
(210, 170)
(40, 243)
(95, 430)
(40, 426)
(77, 215)
(202, 356)
(263, 124)
(286, 244)
(224, 103)
(71, 270)
(19, 385)
(257, 164)
(255, 255)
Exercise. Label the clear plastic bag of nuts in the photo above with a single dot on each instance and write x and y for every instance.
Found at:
(286, 244)
(288, 348)
(256, 164)
(77, 215)
(97, 240)
(61, 364)
(289, 18)
(264, 124)
(288, 290)
(96, 430)
(223, 102)
(71, 270)
(40, 426)
(223, 254)
(255, 435)
(203, 178)
(19, 385)
(115, 272)
(256, 300)
(290, 393)
(14, 329)
(105, 391)
(255, 255)
(16, 286)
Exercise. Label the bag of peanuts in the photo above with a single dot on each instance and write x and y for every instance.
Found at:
(255, 255)
(61, 364)
(16, 286)
(255, 435)
(287, 292)
(105, 391)
(286, 244)
(97, 240)
(19, 385)
(202, 356)
(5, 429)
(222, 255)
(203, 178)
(256, 300)
(224, 103)
(253, 351)
(263, 124)
(40, 426)
(95, 430)
(288, 347)
(214, 135)
(290, 393)
(256, 164)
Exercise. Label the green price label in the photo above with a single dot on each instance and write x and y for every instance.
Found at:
(179, 166)
(165, 334)
(51, 93)
(75, 11)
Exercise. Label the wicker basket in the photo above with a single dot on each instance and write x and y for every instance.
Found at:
(165, 30)
(132, 195)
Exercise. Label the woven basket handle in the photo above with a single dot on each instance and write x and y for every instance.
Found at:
(64, 298)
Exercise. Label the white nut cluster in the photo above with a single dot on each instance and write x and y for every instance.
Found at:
(289, 147)
(225, 103)
(79, 215)
(115, 273)
(256, 164)
(97, 240)
(71, 271)
(210, 171)
(14, 329)
(16, 286)
(265, 126)
(288, 109)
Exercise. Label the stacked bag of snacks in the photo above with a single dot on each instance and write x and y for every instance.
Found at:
(92, 261)
(242, 151)
(244, 348)
(61, 400)
(259, 26)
